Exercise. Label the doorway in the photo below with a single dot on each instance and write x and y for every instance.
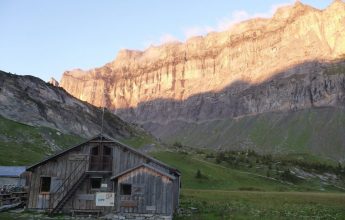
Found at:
(101, 158)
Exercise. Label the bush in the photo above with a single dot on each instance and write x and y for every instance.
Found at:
(199, 175)
(178, 144)
(288, 176)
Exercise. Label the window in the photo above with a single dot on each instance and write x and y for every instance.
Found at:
(45, 184)
(126, 189)
(107, 150)
(96, 183)
(94, 150)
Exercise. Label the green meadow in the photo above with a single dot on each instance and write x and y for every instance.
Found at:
(211, 189)
(225, 193)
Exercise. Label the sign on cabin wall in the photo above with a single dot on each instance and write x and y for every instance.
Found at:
(129, 203)
(105, 199)
(78, 157)
(151, 208)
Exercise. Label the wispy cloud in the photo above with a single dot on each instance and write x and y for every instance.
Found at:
(222, 24)
(163, 39)
(235, 17)
(167, 38)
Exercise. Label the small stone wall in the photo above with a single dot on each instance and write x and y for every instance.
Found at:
(133, 216)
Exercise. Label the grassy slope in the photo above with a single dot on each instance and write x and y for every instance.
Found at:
(222, 194)
(219, 177)
(314, 132)
(22, 144)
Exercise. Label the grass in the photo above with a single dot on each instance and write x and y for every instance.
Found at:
(222, 192)
(218, 204)
(224, 177)
(23, 144)
(138, 141)
(317, 131)
(228, 193)
(217, 177)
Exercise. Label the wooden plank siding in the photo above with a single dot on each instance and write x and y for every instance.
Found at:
(153, 193)
(156, 197)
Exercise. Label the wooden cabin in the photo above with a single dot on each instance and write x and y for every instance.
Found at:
(104, 176)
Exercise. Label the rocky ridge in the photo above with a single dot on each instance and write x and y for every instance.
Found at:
(29, 100)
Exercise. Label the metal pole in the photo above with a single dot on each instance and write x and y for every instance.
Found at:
(102, 113)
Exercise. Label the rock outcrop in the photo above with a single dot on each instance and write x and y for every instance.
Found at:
(54, 82)
(291, 61)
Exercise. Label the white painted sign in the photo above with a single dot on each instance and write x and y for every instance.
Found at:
(104, 185)
(105, 199)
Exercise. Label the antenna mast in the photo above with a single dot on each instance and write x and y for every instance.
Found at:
(102, 113)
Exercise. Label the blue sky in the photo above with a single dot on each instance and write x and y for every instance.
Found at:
(45, 38)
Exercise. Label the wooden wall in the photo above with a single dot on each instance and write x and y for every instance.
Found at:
(151, 193)
(58, 168)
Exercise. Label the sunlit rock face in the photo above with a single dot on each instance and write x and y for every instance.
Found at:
(54, 82)
(291, 61)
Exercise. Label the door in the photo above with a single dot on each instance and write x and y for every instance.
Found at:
(101, 158)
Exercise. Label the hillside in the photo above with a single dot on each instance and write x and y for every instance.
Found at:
(256, 187)
(316, 131)
(289, 66)
(22, 144)
(29, 100)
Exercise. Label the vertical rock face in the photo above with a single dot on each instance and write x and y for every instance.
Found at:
(291, 61)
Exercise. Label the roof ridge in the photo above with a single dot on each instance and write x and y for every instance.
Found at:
(145, 165)
(105, 137)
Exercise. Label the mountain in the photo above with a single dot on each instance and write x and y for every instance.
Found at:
(289, 66)
(31, 101)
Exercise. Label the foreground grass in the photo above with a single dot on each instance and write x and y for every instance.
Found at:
(199, 204)
(220, 204)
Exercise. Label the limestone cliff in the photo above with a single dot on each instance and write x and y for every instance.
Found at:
(291, 61)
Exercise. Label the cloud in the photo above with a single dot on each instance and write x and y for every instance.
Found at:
(222, 24)
(163, 39)
(227, 22)
(167, 38)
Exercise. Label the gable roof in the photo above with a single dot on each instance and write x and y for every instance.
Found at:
(147, 166)
(103, 137)
(11, 171)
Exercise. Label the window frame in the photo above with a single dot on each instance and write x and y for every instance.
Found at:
(46, 186)
(123, 191)
(107, 151)
(95, 149)
(95, 178)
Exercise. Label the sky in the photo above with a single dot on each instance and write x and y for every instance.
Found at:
(45, 38)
